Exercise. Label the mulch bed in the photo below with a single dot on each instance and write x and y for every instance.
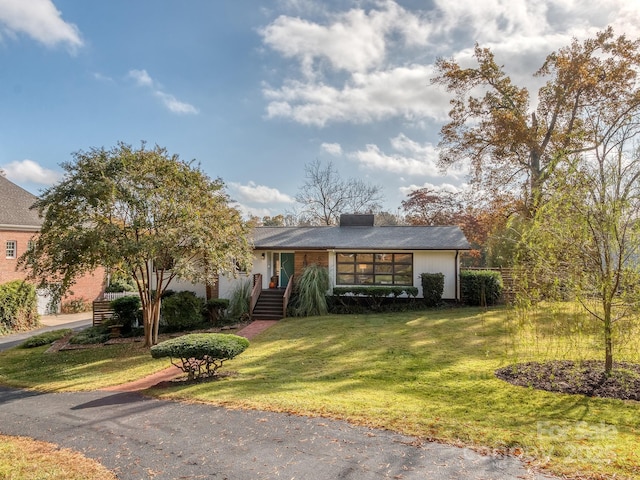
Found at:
(584, 378)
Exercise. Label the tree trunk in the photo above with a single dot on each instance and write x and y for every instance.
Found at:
(608, 341)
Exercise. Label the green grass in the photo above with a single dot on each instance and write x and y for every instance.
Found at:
(76, 370)
(428, 373)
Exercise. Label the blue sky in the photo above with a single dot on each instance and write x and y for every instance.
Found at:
(256, 90)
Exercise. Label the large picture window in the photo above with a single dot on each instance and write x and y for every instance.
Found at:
(374, 269)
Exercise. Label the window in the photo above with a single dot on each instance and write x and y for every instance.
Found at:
(374, 269)
(11, 248)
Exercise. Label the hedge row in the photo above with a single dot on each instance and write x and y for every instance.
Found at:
(480, 287)
(18, 306)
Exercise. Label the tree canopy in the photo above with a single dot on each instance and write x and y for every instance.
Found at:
(141, 211)
(514, 140)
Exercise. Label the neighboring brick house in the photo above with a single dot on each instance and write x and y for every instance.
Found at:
(18, 225)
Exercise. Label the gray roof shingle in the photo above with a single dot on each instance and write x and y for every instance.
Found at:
(15, 203)
(370, 238)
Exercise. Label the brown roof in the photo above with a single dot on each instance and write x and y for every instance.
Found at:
(15, 203)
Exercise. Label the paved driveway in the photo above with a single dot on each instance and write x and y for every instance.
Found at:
(140, 438)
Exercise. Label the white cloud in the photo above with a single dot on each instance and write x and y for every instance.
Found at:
(260, 193)
(409, 158)
(398, 92)
(141, 78)
(30, 171)
(443, 187)
(332, 149)
(40, 20)
(175, 105)
(144, 80)
(362, 66)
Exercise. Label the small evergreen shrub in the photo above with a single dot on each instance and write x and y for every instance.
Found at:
(18, 306)
(46, 338)
(215, 309)
(311, 292)
(182, 311)
(480, 287)
(432, 288)
(126, 312)
(201, 354)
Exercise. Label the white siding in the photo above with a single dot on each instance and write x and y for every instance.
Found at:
(437, 262)
(260, 265)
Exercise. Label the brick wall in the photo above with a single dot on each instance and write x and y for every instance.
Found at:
(8, 265)
(90, 286)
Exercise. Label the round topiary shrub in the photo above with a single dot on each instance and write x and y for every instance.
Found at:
(201, 354)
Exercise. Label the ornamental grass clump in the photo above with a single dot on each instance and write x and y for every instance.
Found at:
(312, 291)
(201, 354)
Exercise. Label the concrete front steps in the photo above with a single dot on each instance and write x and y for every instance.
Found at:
(269, 305)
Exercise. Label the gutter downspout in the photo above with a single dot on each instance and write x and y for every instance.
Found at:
(457, 276)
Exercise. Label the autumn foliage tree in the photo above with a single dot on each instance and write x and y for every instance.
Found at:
(140, 211)
(515, 140)
(477, 217)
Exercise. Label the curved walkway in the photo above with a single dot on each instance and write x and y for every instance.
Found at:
(143, 438)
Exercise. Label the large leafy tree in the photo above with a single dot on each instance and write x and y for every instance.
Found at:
(514, 140)
(584, 240)
(140, 211)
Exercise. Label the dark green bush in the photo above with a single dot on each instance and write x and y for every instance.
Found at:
(376, 295)
(182, 311)
(201, 354)
(45, 338)
(18, 306)
(126, 312)
(480, 287)
(432, 288)
(91, 335)
(215, 308)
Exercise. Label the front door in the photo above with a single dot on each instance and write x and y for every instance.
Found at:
(286, 268)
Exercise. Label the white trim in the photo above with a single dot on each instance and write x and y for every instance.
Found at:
(20, 228)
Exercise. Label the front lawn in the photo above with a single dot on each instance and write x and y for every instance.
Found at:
(428, 373)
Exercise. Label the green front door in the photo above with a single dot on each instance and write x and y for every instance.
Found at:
(286, 268)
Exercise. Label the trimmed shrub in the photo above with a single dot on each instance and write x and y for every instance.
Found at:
(126, 312)
(432, 288)
(18, 306)
(201, 354)
(46, 338)
(182, 311)
(480, 287)
(311, 292)
(376, 295)
(215, 309)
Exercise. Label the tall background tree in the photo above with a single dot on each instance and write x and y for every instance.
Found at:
(143, 212)
(325, 195)
(516, 141)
